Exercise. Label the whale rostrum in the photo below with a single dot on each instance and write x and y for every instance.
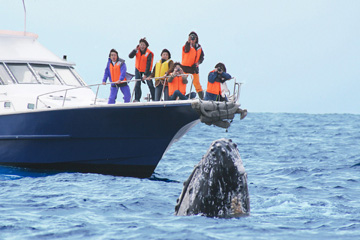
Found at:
(217, 187)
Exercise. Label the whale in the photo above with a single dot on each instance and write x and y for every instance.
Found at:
(217, 187)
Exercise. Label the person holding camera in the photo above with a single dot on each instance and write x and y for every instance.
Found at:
(116, 72)
(215, 78)
(177, 84)
(192, 56)
(143, 66)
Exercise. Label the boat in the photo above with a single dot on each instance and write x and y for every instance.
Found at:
(51, 119)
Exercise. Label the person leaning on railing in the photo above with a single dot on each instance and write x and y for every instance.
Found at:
(161, 69)
(215, 78)
(116, 72)
(177, 84)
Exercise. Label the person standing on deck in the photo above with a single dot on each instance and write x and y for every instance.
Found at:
(161, 69)
(192, 56)
(116, 72)
(143, 66)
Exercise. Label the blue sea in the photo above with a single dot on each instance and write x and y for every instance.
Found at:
(303, 178)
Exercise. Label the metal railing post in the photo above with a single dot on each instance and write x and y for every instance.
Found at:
(64, 97)
(96, 94)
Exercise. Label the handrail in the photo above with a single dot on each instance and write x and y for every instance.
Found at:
(68, 89)
(237, 88)
(236, 92)
(89, 86)
(161, 78)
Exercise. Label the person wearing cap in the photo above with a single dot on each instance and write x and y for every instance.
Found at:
(116, 72)
(177, 84)
(192, 56)
(143, 66)
(160, 70)
(215, 78)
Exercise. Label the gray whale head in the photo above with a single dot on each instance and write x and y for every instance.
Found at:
(217, 187)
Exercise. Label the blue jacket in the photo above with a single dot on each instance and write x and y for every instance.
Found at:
(122, 69)
(216, 77)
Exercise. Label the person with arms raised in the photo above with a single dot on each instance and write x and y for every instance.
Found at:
(216, 77)
(143, 66)
(192, 56)
(177, 84)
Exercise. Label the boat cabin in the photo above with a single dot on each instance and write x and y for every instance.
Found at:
(32, 77)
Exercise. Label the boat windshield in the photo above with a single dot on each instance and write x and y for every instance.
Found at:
(22, 73)
(4, 76)
(39, 74)
(67, 76)
(45, 74)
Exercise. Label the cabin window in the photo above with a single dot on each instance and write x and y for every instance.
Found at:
(45, 74)
(67, 76)
(22, 73)
(4, 76)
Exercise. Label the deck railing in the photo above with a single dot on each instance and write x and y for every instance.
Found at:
(234, 97)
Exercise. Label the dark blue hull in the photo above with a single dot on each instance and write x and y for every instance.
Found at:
(125, 140)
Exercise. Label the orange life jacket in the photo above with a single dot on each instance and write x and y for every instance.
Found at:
(214, 87)
(141, 59)
(115, 72)
(191, 57)
(177, 84)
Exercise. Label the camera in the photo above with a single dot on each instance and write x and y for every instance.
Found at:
(192, 37)
(219, 69)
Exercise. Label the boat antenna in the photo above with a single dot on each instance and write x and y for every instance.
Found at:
(24, 17)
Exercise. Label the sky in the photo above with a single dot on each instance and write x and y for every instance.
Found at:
(299, 56)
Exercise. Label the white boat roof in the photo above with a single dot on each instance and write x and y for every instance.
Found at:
(24, 47)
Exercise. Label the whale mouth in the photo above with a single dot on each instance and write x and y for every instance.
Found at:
(186, 185)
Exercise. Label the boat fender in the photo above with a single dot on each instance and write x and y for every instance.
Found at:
(219, 114)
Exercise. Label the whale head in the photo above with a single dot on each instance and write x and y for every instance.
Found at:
(217, 187)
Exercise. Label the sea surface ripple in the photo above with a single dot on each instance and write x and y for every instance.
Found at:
(303, 174)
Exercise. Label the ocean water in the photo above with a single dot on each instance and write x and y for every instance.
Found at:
(303, 175)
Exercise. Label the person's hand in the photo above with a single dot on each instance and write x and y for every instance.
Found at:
(103, 83)
(118, 82)
(197, 64)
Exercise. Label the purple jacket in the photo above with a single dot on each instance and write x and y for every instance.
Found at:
(122, 69)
